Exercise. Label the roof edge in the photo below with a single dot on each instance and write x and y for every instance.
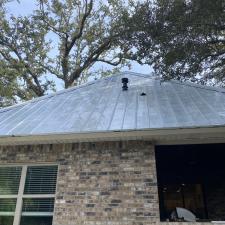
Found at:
(197, 135)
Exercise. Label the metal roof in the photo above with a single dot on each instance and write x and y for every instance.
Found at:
(102, 106)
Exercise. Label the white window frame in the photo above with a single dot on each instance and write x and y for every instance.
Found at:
(20, 196)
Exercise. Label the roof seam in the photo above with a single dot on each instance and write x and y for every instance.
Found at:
(94, 108)
(71, 89)
(215, 89)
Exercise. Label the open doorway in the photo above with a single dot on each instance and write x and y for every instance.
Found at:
(192, 177)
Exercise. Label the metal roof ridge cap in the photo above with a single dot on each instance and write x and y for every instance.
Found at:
(139, 74)
(4, 109)
(200, 86)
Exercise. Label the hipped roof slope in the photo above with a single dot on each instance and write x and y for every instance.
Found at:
(103, 106)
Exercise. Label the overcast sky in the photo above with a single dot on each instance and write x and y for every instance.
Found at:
(26, 6)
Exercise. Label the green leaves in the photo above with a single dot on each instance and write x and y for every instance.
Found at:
(23, 48)
(182, 39)
(60, 39)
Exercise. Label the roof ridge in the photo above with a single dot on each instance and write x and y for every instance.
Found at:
(71, 89)
(139, 74)
(51, 95)
(206, 87)
(4, 109)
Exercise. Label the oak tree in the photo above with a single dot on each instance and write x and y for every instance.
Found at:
(60, 39)
(182, 39)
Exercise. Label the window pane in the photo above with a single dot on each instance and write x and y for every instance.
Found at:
(6, 220)
(38, 205)
(188, 196)
(9, 180)
(36, 220)
(7, 205)
(41, 180)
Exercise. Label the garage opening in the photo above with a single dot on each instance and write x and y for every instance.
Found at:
(191, 182)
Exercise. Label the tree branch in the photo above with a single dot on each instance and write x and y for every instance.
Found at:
(88, 9)
(52, 71)
(110, 62)
(93, 57)
(36, 88)
(53, 29)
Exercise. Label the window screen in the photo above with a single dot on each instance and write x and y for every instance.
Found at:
(33, 185)
(36, 220)
(41, 180)
(9, 180)
(6, 220)
(8, 205)
(9, 185)
(38, 205)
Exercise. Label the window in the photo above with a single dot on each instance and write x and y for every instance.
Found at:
(188, 196)
(191, 177)
(27, 194)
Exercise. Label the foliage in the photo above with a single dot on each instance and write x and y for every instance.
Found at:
(182, 39)
(61, 39)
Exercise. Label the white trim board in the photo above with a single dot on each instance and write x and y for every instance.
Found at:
(195, 135)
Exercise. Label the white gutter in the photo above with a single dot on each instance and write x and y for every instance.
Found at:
(214, 134)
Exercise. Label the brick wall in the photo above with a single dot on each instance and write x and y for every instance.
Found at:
(104, 183)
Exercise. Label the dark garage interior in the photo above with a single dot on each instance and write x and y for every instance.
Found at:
(191, 177)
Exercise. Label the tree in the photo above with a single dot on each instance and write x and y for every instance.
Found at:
(8, 85)
(182, 39)
(61, 39)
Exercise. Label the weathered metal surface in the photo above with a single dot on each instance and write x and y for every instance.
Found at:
(103, 106)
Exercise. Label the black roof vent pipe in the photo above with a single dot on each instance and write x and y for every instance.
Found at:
(125, 81)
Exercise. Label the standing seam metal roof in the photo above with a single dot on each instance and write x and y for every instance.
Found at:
(103, 106)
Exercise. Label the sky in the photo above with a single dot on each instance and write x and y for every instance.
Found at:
(25, 7)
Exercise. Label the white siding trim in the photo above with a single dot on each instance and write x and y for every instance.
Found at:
(19, 203)
(39, 196)
(37, 214)
(157, 136)
(7, 213)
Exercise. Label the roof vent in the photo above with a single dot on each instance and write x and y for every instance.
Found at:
(125, 81)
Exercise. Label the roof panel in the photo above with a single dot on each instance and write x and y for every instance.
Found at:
(142, 110)
(168, 116)
(103, 106)
(108, 111)
(101, 102)
(189, 105)
(175, 98)
(204, 106)
(130, 115)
